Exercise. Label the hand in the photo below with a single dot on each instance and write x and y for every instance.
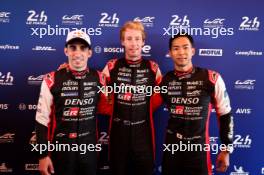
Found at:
(222, 161)
(63, 65)
(46, 166)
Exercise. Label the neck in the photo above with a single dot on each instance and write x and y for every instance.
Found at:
(77, 68)
(137, 58)
(183, 68)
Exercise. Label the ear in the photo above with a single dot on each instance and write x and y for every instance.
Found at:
(122, 43)
(143, 43)
(90, 53)
(193, 51)
(66, 51)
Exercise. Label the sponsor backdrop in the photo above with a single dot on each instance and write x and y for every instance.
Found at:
(229, 39)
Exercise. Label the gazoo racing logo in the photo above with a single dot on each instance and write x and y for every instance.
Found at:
(80, 102)
(246, 84)
(71, 111)
(186, 101)
(178, 110)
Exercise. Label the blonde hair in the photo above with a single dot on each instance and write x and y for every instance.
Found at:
(135, 25)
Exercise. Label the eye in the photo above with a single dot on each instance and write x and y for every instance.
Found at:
(72, 47)
(83, 48)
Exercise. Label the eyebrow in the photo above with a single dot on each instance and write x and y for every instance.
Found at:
(181, 45)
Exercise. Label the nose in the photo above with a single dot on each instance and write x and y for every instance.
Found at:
(77, 52)
(181, 51)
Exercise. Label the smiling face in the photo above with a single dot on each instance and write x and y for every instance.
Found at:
(181, 52)
(78, 54)
(133, 43)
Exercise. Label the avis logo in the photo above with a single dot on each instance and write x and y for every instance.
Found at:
(249, 24)
(247, 84)
(218, 22)
(242, 142)
(72, 20)
(146, 21)
(7, 138)
(43, 48)
(35, 18)
(243, 111)
(6, 80)
(108, 20)
(239, 171)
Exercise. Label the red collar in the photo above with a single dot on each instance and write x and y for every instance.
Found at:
(133, 62)
(182, 73)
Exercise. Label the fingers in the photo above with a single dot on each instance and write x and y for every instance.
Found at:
(221, 166)
(51, 168)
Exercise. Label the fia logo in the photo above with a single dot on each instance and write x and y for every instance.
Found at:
(108, 20)
(249, 24)
(37, 19)
(6, 79)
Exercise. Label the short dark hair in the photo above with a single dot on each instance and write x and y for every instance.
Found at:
(78, 40)
(181, 35)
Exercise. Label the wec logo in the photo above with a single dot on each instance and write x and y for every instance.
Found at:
(74, 17)
(246, 82)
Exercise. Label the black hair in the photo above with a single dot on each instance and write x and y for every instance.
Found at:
(78, 40)
(190, 38)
